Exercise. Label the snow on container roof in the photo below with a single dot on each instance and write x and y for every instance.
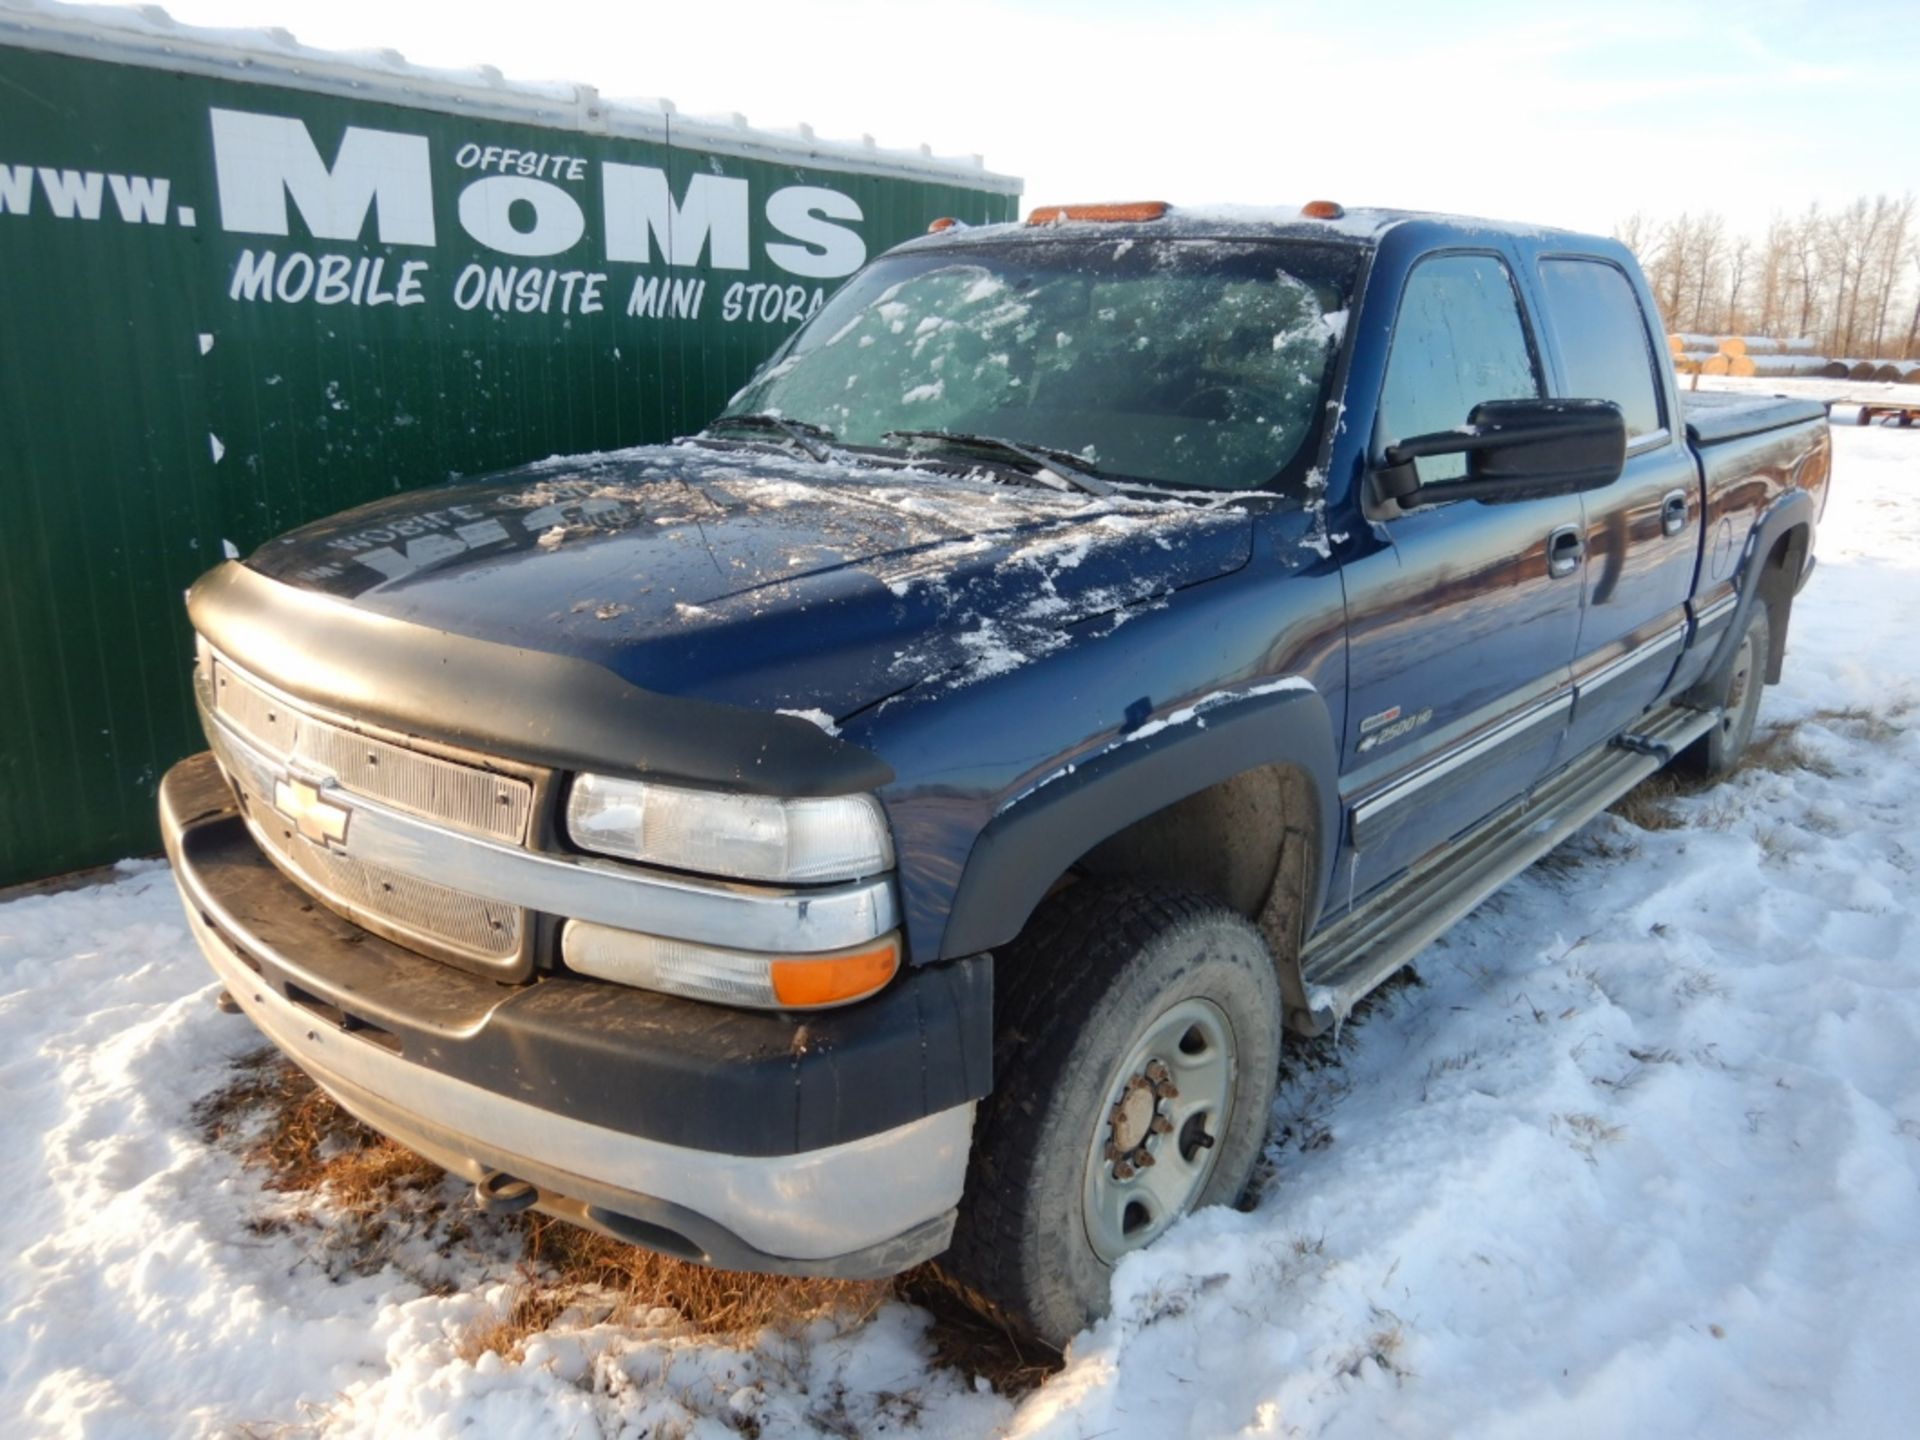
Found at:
(147, 35)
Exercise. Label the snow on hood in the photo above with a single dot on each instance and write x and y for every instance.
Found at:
(749, 576)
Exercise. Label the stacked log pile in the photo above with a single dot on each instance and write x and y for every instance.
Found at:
(1766, 355)
(1765, 345)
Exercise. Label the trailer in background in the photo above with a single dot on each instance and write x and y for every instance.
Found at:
(1883, 407)
(248, 284)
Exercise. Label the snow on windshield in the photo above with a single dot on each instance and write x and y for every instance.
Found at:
(1184, 362)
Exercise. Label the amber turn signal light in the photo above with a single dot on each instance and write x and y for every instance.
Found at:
(726, 976)
(1128, 210)
(1322, 210)
(809, 983)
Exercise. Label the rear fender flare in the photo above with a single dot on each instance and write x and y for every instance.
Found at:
(1033, 839)
(1794, 510)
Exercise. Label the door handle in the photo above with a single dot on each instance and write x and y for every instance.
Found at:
(1565, 549)
(1673, 512)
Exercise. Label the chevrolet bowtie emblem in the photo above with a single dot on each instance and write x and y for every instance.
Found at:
(316, 817)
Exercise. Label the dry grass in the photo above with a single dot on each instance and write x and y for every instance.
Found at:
(971, 1336)
(1782, 751)
(1649, 805)
(286, 1125)
(1586, 1133)
(1380, 1350)
(1859, 723)
(309, 1149)
(359, 1191)
(570, 1271)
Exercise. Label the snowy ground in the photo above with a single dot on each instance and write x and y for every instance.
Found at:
(1640, 1156)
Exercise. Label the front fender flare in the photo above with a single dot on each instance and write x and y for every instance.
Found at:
(1033, 839)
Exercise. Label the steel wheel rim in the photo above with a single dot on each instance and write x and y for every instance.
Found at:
(1739, 683)
(1126, 1205)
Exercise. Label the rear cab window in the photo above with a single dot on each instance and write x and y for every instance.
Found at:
(1606, 351)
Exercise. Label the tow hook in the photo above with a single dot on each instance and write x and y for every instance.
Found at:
(497, 1193)
(226, 1004)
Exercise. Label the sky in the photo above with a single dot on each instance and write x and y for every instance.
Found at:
(1565, 114)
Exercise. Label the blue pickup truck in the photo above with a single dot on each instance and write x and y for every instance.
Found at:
(904, 819)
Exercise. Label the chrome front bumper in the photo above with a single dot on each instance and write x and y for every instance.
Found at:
(868, 1206)
(872, 1207)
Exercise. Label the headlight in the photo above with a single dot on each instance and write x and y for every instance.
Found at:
(732, 977)
(742, 837)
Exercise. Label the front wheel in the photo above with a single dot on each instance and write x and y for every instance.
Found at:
(1136, 1056)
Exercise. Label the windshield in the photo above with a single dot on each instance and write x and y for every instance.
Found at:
(1182, 362)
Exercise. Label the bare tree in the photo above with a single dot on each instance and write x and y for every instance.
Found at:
(1912, 349)
(1636, 232)
(1775, 273)
(1888, 264)
(1806, 258)
(1846, 277)
(1709, 242)
(1737, 262)
(1673, 247)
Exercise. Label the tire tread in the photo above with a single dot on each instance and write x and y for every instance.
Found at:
(1045, 983)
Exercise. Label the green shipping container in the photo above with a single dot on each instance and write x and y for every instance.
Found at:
(244, 284)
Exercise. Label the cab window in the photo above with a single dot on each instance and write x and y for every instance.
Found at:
(1602, 339)
(1458, 340)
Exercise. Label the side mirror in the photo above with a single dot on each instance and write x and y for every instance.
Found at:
(1516, 450)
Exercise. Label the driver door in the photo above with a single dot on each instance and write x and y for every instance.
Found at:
(1462, 625)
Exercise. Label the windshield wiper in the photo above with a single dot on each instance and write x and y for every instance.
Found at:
(803, 433)
(1060, 465)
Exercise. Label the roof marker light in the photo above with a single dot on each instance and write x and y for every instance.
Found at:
(1125, 210)
(1322, 210)
(945, 222)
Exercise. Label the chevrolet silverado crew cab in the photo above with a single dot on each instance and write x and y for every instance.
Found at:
(903, 819)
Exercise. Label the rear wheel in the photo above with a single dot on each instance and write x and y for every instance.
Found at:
(1738, 699)
(1137, 1051)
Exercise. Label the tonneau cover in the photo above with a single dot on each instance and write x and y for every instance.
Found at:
(1715, 415)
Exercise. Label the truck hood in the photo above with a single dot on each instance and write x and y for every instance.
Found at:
(746, 577)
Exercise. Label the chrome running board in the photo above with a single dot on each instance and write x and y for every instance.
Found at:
(1356, 952)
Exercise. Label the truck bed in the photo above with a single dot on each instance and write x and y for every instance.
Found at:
(1715, 415)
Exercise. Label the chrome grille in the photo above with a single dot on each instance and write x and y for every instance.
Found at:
(450, 924)
(443, 791)
(426, 912)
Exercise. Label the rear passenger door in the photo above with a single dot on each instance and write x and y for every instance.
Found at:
(1461, 628)
(1643, 530)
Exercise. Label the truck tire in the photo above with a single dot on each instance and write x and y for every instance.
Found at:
(1132, 1022)
(1737, 696)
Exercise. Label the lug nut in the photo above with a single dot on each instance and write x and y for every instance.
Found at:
(1166, 1090)
(1162, 1125)
(1143, 1157)
(1123, 1171)
(1157, 1070)
(1114, 1152)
